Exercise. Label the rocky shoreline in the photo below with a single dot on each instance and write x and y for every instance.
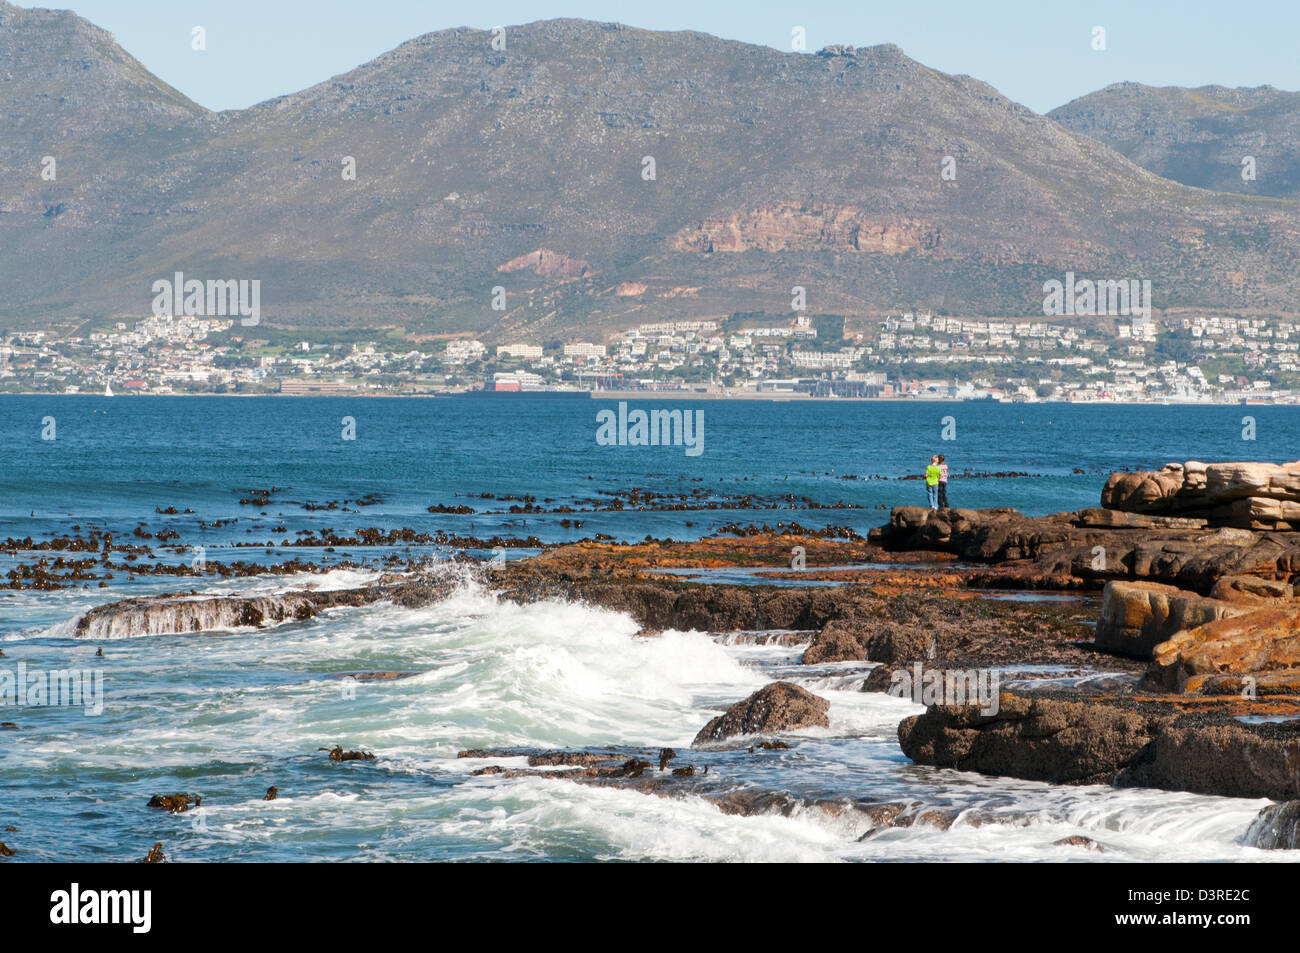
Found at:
(1153, 649)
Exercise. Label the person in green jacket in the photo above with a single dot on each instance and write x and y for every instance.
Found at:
(932, 482)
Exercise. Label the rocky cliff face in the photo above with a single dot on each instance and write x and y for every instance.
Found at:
(788, 227)
(527, 167)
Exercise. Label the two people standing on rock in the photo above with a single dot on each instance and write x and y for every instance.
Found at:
(936, 482)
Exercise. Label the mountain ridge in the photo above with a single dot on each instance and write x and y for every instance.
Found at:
(524, 169)
(1198, 135)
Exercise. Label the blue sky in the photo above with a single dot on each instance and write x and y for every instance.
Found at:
(1039, 53)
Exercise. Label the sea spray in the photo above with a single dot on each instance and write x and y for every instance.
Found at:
(545, 674)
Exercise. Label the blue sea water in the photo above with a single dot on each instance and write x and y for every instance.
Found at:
(229, 714)
(115, 459)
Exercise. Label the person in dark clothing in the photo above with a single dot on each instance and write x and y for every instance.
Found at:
(943, 482)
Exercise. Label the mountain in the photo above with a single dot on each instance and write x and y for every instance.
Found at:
(1198, 136)
(70, 93)
(524, 168)
(64, 76)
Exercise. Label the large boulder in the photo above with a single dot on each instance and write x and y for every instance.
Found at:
(1067, 741)
(1232, 760)
(1224, 481)
(1250, 495)
(1138, 616)
(1149, 491)
(775, 708)
(1037, 739)
(1265, 640)
(1256, 512)
(1252, 590)
(993, 535)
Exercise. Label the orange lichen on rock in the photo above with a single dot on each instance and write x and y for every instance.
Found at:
(1264, 645)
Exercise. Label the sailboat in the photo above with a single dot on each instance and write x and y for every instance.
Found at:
(108, 390)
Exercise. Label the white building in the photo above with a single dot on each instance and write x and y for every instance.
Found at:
(585, 350)
(462, 352)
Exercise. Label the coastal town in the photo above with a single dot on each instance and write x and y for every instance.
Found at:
(1173, 358)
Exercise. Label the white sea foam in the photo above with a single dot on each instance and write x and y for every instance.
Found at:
(553, 674)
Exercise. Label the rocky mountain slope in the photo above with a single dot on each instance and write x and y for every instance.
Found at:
(1198, 136)
(69, 93)
(526, 168)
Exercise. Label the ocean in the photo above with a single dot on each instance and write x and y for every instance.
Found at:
(228, 715)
